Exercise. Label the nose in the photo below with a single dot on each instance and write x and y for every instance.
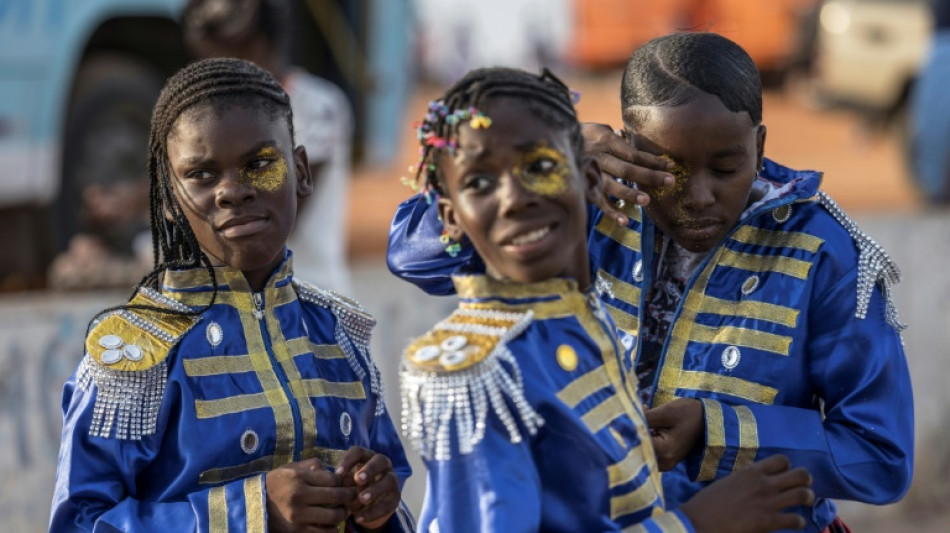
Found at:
(698, 191)
(232, 190)
(514, 196)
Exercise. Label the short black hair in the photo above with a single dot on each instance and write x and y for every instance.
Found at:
(675, 69)
(544, 94)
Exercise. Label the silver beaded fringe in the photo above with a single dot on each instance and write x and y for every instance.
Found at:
(874, 265)
(127, 403)
(431, 401)
(353, 322)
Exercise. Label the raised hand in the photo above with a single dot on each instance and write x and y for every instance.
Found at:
(752, 500)
(306, 497)
(619, 159)
(374, 478)
(676, 427)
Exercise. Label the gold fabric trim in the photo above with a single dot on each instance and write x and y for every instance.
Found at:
(605, 412)
(748, 437)
(485, 287)
(217, 511)
(777, 239)
(617, 437)
(749, 338)
(715, 440)
(218, 365)
(764, 263)
(230, 405)
(624, 320)
(330, 457)
(622, 235)
(542, 310)
(632, 502)
(198, 299)
(254, 505)
(776, 314)
(667, 522)
(318, 388)
(627, 469)
(230, 473)
(308, 415)
(622, 290)
(277, 399)
(193, 278)
(579, 389)
(733, 386)
(303, 345)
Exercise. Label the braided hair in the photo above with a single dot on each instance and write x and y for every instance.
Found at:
(544, 94)
(675, 69)
(222, 83)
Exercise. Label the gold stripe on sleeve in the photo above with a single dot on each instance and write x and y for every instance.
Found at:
(217, 511)
(748, 437)
(254, 505)
(715, 441)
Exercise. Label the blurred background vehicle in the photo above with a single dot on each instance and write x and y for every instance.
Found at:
(77, 83)
(868, 54)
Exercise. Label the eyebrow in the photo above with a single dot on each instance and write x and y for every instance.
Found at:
(201, 160)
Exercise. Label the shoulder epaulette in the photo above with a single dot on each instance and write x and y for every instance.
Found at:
(353, 321)
(126, 352)
(456, 373)
(875, 266)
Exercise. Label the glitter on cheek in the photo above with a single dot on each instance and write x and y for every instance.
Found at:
(546, 182)
(271, 177)
(672, 195)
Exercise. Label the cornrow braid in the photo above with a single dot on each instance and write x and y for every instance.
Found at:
(675, 69)
(544, 94)
(220, 82)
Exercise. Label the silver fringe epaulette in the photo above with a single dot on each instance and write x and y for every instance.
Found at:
(874, 265)
(126, 359)
(353, 321)
(458, 371)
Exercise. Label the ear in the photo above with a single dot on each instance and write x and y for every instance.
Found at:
(304, 177)
(449, 220)
(760, 146)
(590, 173)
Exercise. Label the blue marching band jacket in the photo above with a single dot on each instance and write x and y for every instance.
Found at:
(527, 416)
(786, 332)
(172, 420)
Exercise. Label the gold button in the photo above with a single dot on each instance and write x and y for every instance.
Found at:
(566, 357)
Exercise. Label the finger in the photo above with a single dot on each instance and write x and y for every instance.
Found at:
(320, 478)
(662, 417)
(798, 477)
(772, 465)
(633, 173)
(610, 211)
(356, 454)
(381, 508)
(388, 483)
(623, 192)
(314, 515)
(798, 496)
(328, 496)
(788, 521)
(376, 467)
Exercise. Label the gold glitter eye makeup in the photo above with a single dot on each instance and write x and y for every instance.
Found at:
(543, 170)
(270, 177)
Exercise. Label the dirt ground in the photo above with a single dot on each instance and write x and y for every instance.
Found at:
(864, 171)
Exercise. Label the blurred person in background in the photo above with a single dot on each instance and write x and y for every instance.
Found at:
(930, 108)
(260, 31)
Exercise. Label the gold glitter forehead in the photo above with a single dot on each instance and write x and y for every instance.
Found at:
(271, 177)
(550, 181)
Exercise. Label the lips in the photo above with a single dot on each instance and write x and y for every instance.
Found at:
(699, 229)
(527, 242)
(242, 226)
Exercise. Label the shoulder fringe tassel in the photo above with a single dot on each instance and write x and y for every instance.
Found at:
(431, 401)
(874, 265)
(353, 322)
(127, 403)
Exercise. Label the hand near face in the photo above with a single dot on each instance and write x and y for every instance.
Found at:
(676, 427)
(374, 479)
(617, 158)
(305, 496)
(752, 500)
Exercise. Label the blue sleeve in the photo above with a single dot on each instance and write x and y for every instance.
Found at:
(860, 447)
(415, 254)
(96, 479)
(385, 440)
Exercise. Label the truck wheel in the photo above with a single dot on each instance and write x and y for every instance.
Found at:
(106, 133)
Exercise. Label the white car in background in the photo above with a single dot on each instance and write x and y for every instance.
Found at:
(868, 53)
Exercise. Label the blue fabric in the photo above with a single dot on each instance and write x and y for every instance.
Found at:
(574, 474)
(812, 381)
(930, 121)
(199, 463)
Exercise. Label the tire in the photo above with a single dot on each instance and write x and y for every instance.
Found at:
(106, 133)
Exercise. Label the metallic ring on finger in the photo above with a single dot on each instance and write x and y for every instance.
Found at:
(621, 203)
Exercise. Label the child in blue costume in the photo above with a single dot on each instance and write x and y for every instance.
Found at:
(226, 395)
(519, 402)
(758, 313)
